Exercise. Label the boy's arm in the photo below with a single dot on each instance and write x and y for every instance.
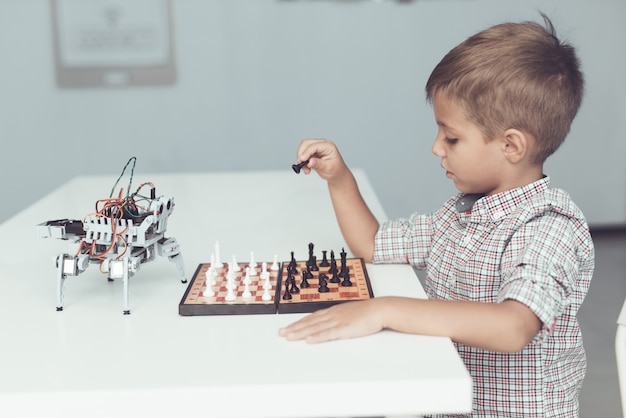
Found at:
(356, 222)
(505, 327)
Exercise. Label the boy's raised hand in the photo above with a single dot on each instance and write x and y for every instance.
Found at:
(323, 156)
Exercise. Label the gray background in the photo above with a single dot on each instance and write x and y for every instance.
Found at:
(254, 77)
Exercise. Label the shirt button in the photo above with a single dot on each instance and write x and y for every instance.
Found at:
(497, 215)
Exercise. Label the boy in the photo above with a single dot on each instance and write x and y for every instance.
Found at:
(508, 260)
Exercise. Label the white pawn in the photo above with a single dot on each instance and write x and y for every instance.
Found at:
(208, 291)
(218, 262)
(233, 265)
(274, 266)
(266, 295)
(264, 273)
(230, 280)
(267, 285)
(246, 292)
(213, 276)
(247, 279)
(253, 263)
(230, 295)
(210, 276)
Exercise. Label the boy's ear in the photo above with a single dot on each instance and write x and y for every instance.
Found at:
(515, 145)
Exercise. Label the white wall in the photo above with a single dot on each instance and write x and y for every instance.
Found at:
(257, 76)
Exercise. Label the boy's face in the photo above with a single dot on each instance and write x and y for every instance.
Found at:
(473, 163)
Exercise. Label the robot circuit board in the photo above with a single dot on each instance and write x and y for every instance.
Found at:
(267, 288)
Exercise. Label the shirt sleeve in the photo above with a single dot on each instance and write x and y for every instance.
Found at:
(540, 268)
(404, 240)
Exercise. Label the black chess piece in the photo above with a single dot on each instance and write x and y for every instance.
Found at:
(287, 295)
(308, 273)
(335, 277)
(305, 281)
(333, 266)
(297, 167)
(346, 280)
(323, 286)
(294, 287)
(344, 271)
(314, 266)
(310, 253)
(293, 264)
(324, 262)
(344, 263)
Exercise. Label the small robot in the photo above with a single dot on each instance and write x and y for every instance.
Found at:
(122, 234)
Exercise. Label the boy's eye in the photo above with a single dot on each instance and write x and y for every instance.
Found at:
(450, 140)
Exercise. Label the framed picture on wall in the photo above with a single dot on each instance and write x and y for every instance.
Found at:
(113, 43)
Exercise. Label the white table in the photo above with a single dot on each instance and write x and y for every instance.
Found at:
(92, 361)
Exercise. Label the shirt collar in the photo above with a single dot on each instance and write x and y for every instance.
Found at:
(497, 206)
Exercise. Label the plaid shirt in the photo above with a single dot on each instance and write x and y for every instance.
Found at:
(531, 244)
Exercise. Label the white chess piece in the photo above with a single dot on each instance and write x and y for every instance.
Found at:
(230, 280)
(274, 266)
(247, 279)
(266, 295)
(210, 275)
(208, 291)
(267, 285)
(246, 292)
(233, 265)
(218, 262)
(230, 295)
(253, 263)
(264, 273)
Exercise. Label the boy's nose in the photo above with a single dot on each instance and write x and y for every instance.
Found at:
(437, 148)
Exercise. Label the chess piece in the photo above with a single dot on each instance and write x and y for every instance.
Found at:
(323, 286)
(297, 167)
(266, 295)
(293, 264)
(310, 259)
(275, 266)
(333, 262)
(247, 279)
(218, 262)
(314, 266)
(230, 295)
(294, 288)
(324, 262)
(252, 263)
(287, 295)
(208, 290)
(304, 284)
(246, 291)
(267, 285)
(210, 275)
(346, 281)
(230, 280)
(233, 264)
(264, 272)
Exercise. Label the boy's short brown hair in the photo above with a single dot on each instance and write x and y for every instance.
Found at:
(514, 75)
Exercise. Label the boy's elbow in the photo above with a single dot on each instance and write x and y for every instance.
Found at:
(515, 344)
(525, 325)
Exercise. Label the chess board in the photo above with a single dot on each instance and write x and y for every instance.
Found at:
(197, 301)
